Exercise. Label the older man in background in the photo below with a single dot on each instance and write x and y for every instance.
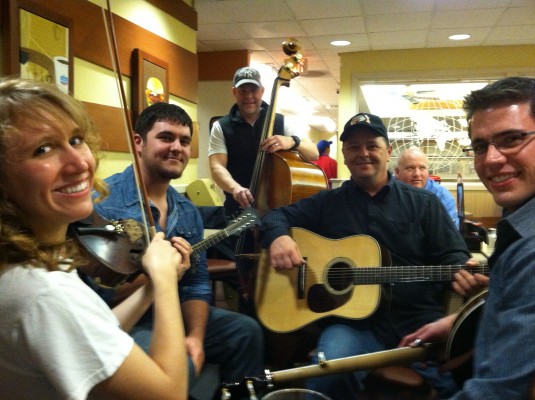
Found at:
(413, 168)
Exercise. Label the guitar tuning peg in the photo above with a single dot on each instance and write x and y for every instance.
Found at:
(251, 390)
(225, 395)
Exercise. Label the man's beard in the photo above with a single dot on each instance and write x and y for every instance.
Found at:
(168, 175)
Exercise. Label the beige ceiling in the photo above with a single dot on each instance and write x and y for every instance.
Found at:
(262, 25)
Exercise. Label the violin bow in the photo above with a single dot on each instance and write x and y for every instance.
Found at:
(142, 190)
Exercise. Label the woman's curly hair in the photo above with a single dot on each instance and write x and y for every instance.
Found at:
(29, 104)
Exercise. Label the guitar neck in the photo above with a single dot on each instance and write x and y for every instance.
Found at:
(246, 220)
(417, 273)
(209, 242)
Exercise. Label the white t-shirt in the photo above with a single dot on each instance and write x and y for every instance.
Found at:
(58, 339)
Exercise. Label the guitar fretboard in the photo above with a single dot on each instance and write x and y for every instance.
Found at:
(392, 274)
(245, 221)
(210, 241)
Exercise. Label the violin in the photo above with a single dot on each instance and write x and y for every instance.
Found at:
(114, 249)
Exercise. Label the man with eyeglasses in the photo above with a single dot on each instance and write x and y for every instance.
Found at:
(501, 119)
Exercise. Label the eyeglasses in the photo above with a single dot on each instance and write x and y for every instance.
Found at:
(505, 143)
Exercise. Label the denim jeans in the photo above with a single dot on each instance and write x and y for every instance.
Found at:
(234, 341)
(337, 341)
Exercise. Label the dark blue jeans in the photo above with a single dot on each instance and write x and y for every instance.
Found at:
(233, 341)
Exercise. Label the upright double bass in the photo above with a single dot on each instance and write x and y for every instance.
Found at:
(283, 177)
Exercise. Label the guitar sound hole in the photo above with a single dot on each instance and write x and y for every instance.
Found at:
(339, 278)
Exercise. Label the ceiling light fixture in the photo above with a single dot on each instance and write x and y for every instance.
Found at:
(340, 43)
(461, 36)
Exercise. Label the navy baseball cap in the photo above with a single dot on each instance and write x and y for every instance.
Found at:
(323, 145)
(364, 120)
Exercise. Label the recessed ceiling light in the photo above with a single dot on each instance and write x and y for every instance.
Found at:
(340, 43)
(462, 36)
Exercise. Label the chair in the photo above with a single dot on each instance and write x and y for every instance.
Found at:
(204, 193)
(221, 270)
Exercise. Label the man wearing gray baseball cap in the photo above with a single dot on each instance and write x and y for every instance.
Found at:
(235, 140)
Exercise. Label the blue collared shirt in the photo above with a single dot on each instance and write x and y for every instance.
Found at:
(183, 219)
(446, 198)
(504, 358)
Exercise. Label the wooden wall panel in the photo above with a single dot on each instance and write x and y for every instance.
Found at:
(221, 65)
(111, 126)
(479, 203)
(178, 10)
(89, 42)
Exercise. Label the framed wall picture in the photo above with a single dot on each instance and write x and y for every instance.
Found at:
(150, 83)
(39, 44)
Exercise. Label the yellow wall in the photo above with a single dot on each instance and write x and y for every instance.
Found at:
(99, 85)
(437, 64)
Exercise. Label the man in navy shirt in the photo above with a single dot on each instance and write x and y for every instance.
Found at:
(411, 223)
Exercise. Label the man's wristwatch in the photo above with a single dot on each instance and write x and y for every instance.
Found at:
(297, 142)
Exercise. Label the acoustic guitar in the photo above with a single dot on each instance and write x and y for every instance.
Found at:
(341, 278)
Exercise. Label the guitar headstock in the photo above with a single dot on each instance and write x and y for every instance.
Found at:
(249, 218)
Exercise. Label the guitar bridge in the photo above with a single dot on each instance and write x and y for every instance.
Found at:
(301, 280)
